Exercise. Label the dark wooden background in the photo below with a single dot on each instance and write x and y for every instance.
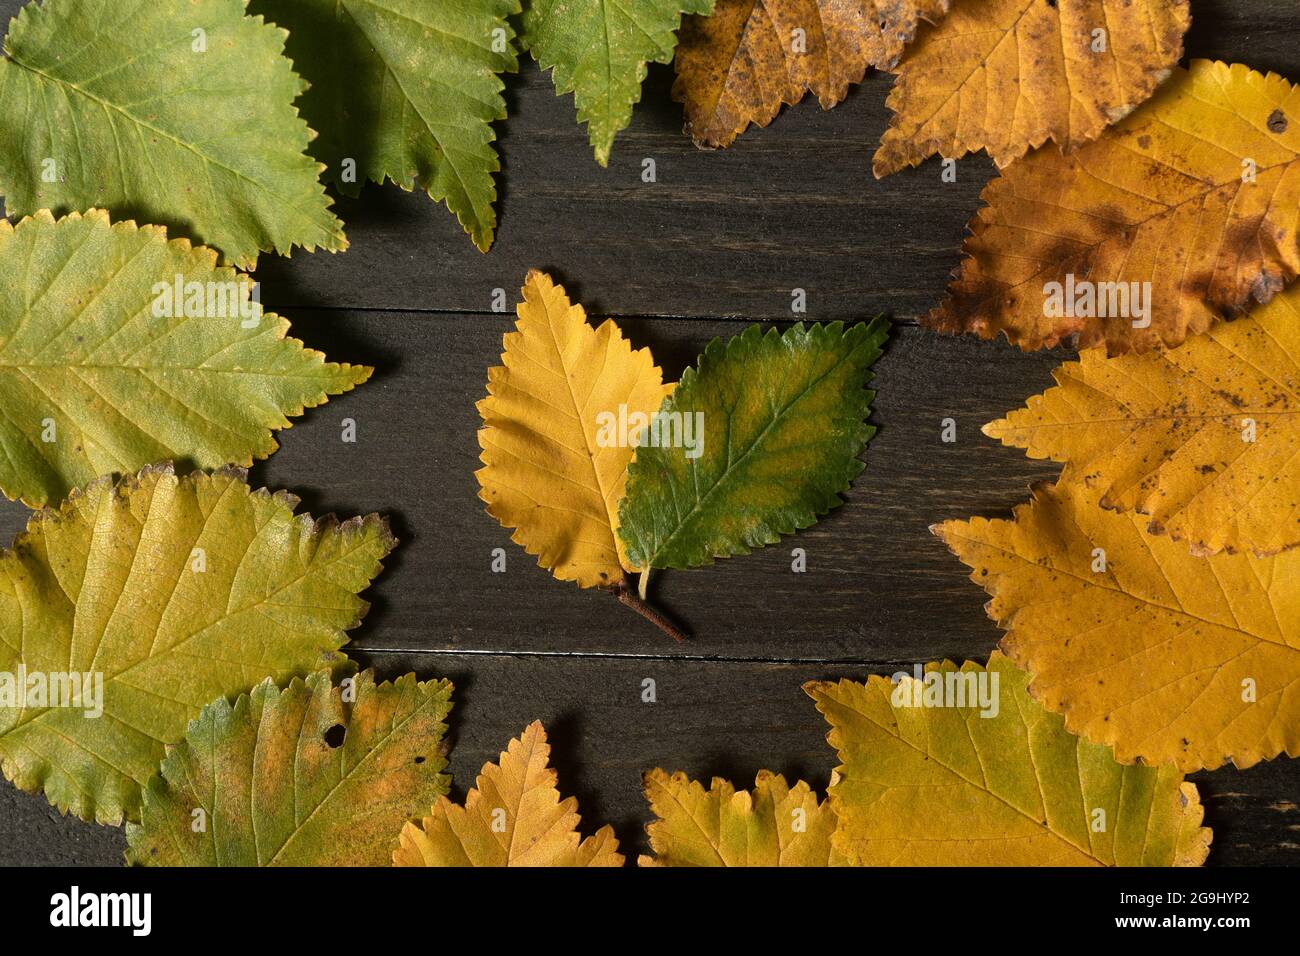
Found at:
(721, 239)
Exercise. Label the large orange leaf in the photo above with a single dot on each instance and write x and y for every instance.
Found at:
(751, 57)
(1203, 439)
(1008, 75)
(1163, 655)
(1197, 194)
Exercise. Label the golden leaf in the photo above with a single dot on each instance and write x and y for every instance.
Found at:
(751, 57)
(514, 817)
(1188, 211)
(772, 825)
(1203, 439)
(936, 782)
(1143, 646)
(1007, 75)
(547, 471)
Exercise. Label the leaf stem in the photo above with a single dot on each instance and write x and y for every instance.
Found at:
(627, 595)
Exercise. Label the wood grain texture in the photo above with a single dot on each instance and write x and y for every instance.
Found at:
(720, 237)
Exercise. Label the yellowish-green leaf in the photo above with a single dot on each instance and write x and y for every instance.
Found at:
(146, 600)
(311, 775)
(927, 780)
(119, 349)
(513, 817)
(772, 825)
(555, 459)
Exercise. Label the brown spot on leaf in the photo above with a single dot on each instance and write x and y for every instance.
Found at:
(1277, 121)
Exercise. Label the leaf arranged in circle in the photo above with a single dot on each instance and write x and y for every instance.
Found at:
(926, 780)
(174, 113)
(165, 593)
(756, 442)
(513, 817)
(119, 348)
(406, 91)
(553, 468)
(1007, 75)
(1162, 655)
(598, 50)
(307, 775)
(772, 825)
(1204, 440)
(751, 57)
(1185, 213)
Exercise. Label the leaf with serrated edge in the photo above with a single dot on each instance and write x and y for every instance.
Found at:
(772, 825)
(1008, 75)
(784, 420)
(941, 785)
(546, 471)
(301, 776)
(94, 380)
(1164, 656)
(408, 91)
(736, 67)
(177, 591)
(1203, 439)
(513, 817)
(598, 50)
(1197, 193)
(174, 113)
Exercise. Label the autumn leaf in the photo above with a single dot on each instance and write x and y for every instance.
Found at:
(550, 470)
(406, 91)
(777, 423)
(926, 779)
(598, 50)
(1204, 440)
(174, 113)
(1187, 212)
(513, 817)
(148, 599)
(1008, 75)
(1162, 655)
(119, 348)
(751, 57)
(311, 775)
(772, 825)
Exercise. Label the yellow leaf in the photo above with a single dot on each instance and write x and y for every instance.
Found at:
(928, 780)
(1141, 645)
(550, 470)
(772, 825)
(1204, 439)
(1008, 75)
(1187, 212)
(514, 817)
(750, 57)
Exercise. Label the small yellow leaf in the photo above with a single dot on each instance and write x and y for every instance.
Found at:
(554, 453)
(1007, 75)
(772, 825)
(514, 817)
(1203, 439)
(1143, 646)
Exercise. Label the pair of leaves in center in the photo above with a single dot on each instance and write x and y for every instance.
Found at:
(757, 442)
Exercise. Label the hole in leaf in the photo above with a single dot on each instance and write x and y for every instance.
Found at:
(419, 760)
(334, 736)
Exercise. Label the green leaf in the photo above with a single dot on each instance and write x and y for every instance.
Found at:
(783, 424)
(173, 113)
(311, 775)
(598, 50)
(94, 380)
(171, 592)
(407, 90)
